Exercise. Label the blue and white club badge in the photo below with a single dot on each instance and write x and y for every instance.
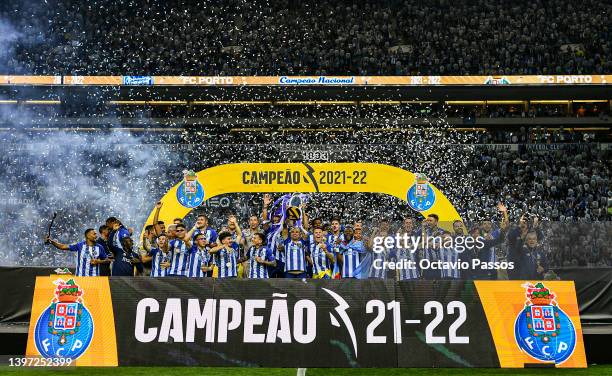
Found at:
(190, 192)
(421, 196)
(542, 329)
(65, 329)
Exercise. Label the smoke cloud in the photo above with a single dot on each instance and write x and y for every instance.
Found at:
(89, 176)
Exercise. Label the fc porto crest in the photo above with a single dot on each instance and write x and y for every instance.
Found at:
(542, 329)
(190, 192)
(65, 328)
(421, 195)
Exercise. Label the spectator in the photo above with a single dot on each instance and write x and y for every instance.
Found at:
(388, 37)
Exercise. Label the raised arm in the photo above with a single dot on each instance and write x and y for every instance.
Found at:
(216, 248)
(305, 219)
(128, 244)
(56, 244)
(305, 234)
(506, 220)
(156, 227)
(189, 236)
(267, 200)
(233, 219)
(370, 241)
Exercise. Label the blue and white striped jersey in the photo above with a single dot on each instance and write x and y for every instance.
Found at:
(320, 262)
(449, 255)
(429, 252)
(256, 269)
(331, 239)
(351, 256)
(377, 269)
(405, 273)
(273, 241)
(180, 258)
(227, 262)
(197, 259)
(211, 234)
(159, 256)
(311, 239)
(235, 244)
(295, 255)
(84, 254)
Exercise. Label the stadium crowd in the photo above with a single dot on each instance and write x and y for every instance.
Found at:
(554, 184)
(565, 185)
(558, 197)
(378, 112)
(234, 37)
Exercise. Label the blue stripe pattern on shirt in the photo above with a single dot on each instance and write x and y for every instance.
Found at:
(351, 252)
(320, 262)
(227, 263)
(295, 255)
(159, 257)
(180, 258)
(408, 273)
(84, 254)
(449, 255)
(197, 259)
(256, 269)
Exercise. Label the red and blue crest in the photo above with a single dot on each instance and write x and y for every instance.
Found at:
(542, 329)
(65, 316)
(543, 318)
(65, 328)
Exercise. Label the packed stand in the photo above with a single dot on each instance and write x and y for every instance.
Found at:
(233, 37)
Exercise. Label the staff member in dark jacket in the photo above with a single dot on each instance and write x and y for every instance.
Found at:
(104, 231)
(531, 262)
(122, 245)
(516, 240)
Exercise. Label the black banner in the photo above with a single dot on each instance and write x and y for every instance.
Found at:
(593, 289)
(594, 292)
(300, 323)
(17, 292)
(473, 346)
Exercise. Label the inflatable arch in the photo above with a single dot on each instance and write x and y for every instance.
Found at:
(305, 178)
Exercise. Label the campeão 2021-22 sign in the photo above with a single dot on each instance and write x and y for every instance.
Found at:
(198, 187)
(305, 323)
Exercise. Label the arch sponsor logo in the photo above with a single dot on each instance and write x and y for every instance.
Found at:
(497, 80)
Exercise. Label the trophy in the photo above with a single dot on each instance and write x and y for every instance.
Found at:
(293, 203)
